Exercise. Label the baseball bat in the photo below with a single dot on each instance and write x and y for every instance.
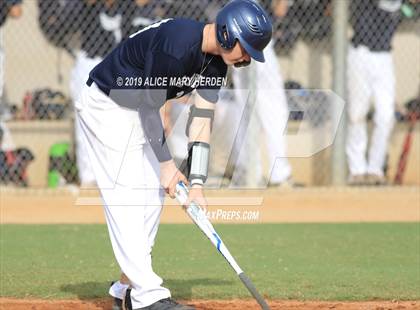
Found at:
(402, 163)
(199, 217)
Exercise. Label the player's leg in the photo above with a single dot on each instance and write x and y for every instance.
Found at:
(1, 66)
(240, 151)
(359, 93)
(227, 117)
(384, 94)
(272, 109)
(118, 160)
(155, 196)
(117, 290)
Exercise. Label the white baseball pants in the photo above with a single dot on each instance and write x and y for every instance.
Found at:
(370, 74)
(2, 75)
(78, 78)
(127, 173)
(272, 110)
(1, 66)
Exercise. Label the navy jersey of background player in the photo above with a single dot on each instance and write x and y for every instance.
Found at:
(101, 25)
(170, 48)
(375, 22)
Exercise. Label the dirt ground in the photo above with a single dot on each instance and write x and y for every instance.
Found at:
(388, 204)
(346, 204)
(213, 305)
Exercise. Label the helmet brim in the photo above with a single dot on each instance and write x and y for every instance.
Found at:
(252, 52)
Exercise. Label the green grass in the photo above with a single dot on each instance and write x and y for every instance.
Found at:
(285, 261)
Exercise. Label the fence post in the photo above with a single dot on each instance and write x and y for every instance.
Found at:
(340, 18)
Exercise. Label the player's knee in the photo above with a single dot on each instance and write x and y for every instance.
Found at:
(355, 117)
(384, 116)
(385, 120)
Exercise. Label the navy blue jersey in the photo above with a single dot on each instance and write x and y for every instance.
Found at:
(160, 62)
(99, 25)
(375, 22)
(169, 49)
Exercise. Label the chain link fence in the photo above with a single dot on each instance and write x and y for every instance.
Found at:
(274, 124)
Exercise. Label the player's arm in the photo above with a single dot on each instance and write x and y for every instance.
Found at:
(153, 130)
(198, 129)
(165, 115)
(280, 7)
(200, 120)
(15, 8)
(159, 65)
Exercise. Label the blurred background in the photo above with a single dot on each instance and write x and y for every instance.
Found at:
(366, 52)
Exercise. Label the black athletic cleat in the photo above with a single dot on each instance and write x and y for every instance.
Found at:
(163, 304)
(117, 304)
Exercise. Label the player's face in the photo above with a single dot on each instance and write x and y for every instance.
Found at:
(236, 56)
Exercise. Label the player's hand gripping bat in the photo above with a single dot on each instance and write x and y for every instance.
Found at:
(199, 217)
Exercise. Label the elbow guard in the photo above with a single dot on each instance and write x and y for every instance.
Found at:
(198, 162)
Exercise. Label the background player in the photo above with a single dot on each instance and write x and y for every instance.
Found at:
(105, 23)
(13, 9)
(371, 74)
(271, 109)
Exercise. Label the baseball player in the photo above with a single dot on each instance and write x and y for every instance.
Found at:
(9, 8)
(271, 108)
(118, 112)
(13, 9)
(100, 25)
(371, 74)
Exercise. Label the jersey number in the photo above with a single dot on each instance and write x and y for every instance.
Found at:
(155, 25)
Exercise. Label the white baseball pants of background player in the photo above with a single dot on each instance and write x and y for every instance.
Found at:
(78, 78)
(2, 103)
(369, 74)
(127, 173)
(1, 66)
(6, 142)
(272, 110)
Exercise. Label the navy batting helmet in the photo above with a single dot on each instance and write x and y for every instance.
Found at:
(247, 22)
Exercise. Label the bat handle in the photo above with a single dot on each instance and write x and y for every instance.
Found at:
(181, 192)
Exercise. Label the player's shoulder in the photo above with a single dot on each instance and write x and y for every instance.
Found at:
(184, 22)
(183, 28)
(180, 36)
